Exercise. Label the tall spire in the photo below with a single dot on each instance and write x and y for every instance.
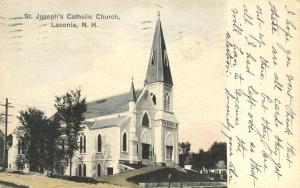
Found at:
(158, 67)
(132, 95)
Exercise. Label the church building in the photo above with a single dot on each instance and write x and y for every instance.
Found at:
(131, 129)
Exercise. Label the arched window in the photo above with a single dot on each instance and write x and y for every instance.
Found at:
(82, 144)
(98, 170)
(62, 169)
(145, 120)
(153, 98)
(84, 170)
(79, 170)
(124, 148)
(99, 143)
(145, 138)
(167, 102)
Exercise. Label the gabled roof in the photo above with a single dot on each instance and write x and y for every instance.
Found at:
(158, 67)
(105, 123)
(110, 105)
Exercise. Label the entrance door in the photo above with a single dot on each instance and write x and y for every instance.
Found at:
(169, 152)
(110, 171)
(80, 170)
(98, 170)
(84, 170)
(145, 150)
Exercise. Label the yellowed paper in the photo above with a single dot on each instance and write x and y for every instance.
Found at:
(234, 66)
(262, 54)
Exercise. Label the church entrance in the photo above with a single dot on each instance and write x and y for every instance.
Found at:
(146, 151)
(169, 153)
(146, 145)
(110, 171)
(170, 143)
(79, 170)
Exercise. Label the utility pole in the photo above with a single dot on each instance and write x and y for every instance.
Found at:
(5, 153)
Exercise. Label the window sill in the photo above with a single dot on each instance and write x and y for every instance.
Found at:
(126, 152)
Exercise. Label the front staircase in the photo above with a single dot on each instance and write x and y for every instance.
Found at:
(125, 166)
(147, 162)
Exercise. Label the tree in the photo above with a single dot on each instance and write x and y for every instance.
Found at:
(53, 141)
(218, 152)
(20, 162)
(184, 147)
(184, 151)
(208, 159)
(32, 136)
(70, 109)
(200, 160)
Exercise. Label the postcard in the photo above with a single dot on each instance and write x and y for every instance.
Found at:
(111, 93)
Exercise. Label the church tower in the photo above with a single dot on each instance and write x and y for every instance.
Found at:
(159, 85)
(158, 77)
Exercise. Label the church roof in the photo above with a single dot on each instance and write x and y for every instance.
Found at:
(105, 123)
(158, 67)
(110, 105)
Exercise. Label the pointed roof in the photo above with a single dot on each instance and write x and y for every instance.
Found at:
(132, 95)
(158, 68)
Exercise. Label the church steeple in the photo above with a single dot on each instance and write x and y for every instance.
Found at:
(158, 68)
(132, 95)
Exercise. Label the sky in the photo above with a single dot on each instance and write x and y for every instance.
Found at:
(39, 62)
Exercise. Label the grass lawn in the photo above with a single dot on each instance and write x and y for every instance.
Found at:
(39, 181)
(149, 174)
(121, 178)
